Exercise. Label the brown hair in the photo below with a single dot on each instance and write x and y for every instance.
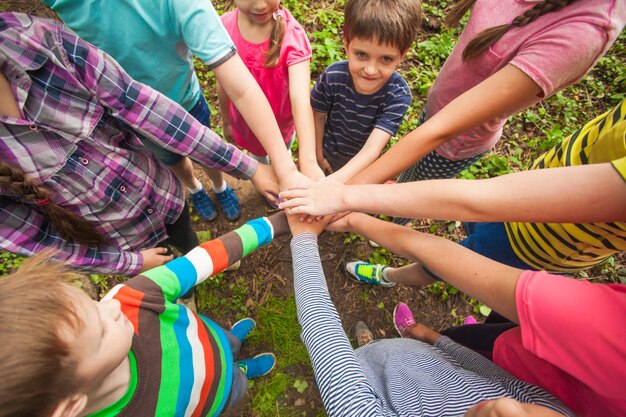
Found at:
(391, 22)
(276, 39)
(37, 371)
(69, 225)
(487, 37)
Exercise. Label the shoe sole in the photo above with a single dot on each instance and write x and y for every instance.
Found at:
(251, 330)
(394, 320)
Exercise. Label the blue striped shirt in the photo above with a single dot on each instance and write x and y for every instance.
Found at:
(351, 116)
(392, 377)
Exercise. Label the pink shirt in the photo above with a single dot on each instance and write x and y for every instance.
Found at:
(273, 81)
(571, 341)
(556, 50)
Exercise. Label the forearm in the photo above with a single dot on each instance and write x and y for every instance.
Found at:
(488, 281)
(365, 157)
(224, 104)
(593, 193)
(343, 386)
(320, 122)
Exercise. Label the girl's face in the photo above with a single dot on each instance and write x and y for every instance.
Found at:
(257, 11)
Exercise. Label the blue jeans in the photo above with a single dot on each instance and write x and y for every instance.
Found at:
(200, 111)
(240, 382)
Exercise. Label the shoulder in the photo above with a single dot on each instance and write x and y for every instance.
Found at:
(398, 84)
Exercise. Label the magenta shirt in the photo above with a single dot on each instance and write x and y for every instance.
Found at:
(556, 50)
(273, 81)
(571, 341)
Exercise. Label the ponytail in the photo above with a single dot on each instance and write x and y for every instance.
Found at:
(276, 38)
(487, 37)
(69, 225)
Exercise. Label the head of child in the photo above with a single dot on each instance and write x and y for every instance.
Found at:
(58, 346)
(265, 14)
(377, 35)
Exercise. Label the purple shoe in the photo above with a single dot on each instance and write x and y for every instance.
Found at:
(470, 320)
(402, 318)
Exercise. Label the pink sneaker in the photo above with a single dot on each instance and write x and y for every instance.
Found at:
(402, 318)
(470, 320)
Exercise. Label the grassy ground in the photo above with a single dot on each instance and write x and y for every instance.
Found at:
(262, 287)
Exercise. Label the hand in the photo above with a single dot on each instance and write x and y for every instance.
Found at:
(298, 227)
(325, 166)
(265, 182)
(318, 198)
(422, 332)
(312, 170)
(228, 132)
(154, 257)
(341, 222)
(508, 407)
(294, 179)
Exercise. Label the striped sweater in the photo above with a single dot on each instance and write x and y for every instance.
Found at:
(181, 363)
(392, 377)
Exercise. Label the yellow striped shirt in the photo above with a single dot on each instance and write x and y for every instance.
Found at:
(569, 247)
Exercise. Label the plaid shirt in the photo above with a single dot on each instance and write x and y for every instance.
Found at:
(78, 135)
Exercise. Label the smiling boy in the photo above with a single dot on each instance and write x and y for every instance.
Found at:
(359, 104)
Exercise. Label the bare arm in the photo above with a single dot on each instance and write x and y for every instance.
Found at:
(488, 281)
(501, 94)
(247, 96)
(590, 193)
(224, 103)
(367, 155)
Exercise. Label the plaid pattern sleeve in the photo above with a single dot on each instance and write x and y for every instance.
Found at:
(152, 114)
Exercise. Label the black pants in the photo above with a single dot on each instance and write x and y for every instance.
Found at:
(181, 234)
(480, 337)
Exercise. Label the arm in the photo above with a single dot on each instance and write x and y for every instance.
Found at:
(247, 96)
(320, 122)
(367, 155)
(343, 386)
(300, 95)
(592, 193)
(26, 232)
(224, 103)
(488, 281)
(501, 94)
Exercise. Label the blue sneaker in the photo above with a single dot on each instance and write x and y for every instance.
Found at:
(368, 273)
(242, 328)
(229, 203)
(258, 366)
(203, 205)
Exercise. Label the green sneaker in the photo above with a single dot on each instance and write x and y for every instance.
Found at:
(367, 273)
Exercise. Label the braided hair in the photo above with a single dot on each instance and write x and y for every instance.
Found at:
(276, 38)
(69, 225)
(487, 37)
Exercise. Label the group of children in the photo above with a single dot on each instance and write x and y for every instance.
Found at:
(87, 132)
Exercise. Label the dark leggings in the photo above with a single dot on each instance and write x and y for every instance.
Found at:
(181, 234)
(480, 337)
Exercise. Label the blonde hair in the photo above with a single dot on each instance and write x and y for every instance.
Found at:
(37, 370)
(390, 22)
(487, 37)
(67, 224)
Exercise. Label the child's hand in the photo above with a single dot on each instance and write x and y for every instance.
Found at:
(295, 179)
(318, 198)
(313, 171)
(508, 407)
(265, 182)
(297, 227)
(340, 222)
(154, 257)
(325, 166)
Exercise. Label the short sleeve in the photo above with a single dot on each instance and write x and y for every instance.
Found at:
(561, 56)
(320, 95)
(296, 46)
(397, 102)
(200, 26)
(572, 324)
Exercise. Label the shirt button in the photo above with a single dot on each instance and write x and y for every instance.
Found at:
(34, 128)
(123, 189)
(83, 161)
(150, 210)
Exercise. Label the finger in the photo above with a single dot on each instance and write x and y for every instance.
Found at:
(292, 202)
(160, 250)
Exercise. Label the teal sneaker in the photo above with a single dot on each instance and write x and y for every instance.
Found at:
(243, 328)
(258, 366)
(203, 205)
(368, 273)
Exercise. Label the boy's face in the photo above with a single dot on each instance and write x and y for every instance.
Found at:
(104, 338)
(371, 63)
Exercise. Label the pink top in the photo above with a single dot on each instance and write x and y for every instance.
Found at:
(555, 50)
(571, 341)
(273, 81)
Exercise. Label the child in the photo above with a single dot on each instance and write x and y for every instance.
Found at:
(544, 47)
(136, 352)
(70, 123)
(559, 346)
(359, 103)
(154, 42)
(276, 50)
(395, 377)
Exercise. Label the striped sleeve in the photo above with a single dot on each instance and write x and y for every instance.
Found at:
(212, 257)
(342, 383)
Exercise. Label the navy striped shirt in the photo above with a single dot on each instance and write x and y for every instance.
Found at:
(392, 377)
(351, 116)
